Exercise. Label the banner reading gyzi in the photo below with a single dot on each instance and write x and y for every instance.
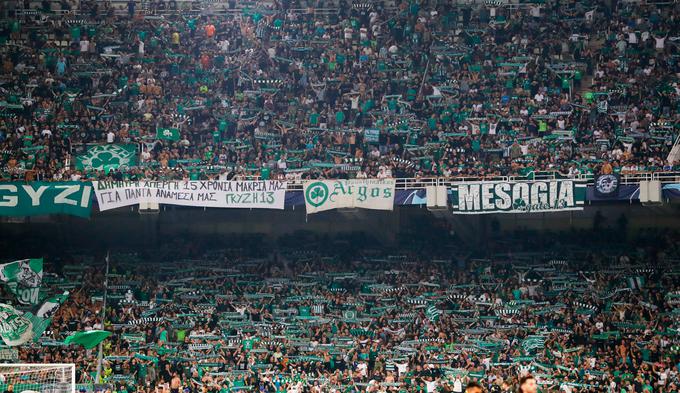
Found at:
(324, 195)
(264, 194)
(517, 197)
(43, 198)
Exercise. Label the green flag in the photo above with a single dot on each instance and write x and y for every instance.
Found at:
(89, 339)
(106, 157)
(26, 272)
(39, 325)
(171, 134)
(15, 329)
(23, 279)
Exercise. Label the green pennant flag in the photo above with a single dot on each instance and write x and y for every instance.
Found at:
(106, 157)
(171, 134)
(89, 339)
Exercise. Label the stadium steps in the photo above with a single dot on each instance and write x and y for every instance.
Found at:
(587, 81)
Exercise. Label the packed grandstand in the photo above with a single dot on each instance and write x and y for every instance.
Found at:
(294, 90)
(586, 313)
(537, 108)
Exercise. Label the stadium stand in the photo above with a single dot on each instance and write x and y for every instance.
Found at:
(299, 90)
(582, 313)
(462, 109)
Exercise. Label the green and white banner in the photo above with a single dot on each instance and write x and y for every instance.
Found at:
(51, 305)
(15, 329)
(25, 295)
(107, 157)
(517, 197)
(263, 194)
(23, 279)
(42, 198)
(26, 272)
(322, 195)
(171, 134)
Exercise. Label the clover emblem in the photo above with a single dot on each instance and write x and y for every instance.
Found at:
(107, 157)
(317, 194)
(519, 204)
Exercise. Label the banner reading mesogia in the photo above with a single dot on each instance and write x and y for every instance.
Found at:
(263, 194)
(324, 195)
(41, 198)
(517, 197)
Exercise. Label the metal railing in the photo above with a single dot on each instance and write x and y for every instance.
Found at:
(415, 183)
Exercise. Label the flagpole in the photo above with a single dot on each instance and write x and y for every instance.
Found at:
(106, 286)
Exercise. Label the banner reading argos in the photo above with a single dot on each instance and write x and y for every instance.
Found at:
(324, 195)
(517, 197)
(267, 194)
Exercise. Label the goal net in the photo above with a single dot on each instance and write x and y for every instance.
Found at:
(43, 378)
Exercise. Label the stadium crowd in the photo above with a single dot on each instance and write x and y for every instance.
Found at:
(278, 90)
(576, 313)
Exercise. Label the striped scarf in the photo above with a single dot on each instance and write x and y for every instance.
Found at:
(200, 347)
(143, 321)
(507, 311)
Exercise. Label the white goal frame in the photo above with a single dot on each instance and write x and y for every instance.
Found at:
(46, 366)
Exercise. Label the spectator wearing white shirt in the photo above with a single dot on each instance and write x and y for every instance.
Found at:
(84, 45)
(659, 42)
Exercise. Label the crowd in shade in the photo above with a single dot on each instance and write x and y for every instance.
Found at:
(281, 90)
(576, 313)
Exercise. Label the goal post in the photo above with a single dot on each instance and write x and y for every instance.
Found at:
(38, 377)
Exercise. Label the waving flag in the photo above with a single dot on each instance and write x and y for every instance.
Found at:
(51, 305)
(23, 279)
(171, 134)
(89, 339)
(15, 329)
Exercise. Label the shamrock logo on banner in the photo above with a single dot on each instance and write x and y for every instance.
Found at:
(171, 134)
(317, 194)
(519, 204)
(107, 157)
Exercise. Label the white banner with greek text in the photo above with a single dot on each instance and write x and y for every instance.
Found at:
(263, 194)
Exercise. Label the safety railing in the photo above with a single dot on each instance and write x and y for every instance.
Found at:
(422, 182)
(415, 183)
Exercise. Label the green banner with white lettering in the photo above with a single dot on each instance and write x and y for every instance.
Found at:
(42, 198)
(517, 197)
